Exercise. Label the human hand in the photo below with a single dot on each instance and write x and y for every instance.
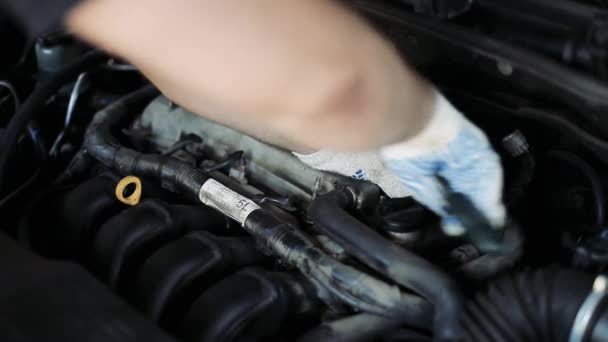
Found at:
(367, 166)
(455, 150)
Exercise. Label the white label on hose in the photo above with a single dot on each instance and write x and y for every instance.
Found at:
(230, 203)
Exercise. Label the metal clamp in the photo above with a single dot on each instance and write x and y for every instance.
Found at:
(587, 310)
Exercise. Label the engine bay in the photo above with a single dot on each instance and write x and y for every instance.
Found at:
(129, 218)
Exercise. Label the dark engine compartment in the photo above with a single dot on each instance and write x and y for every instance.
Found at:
(278, 252)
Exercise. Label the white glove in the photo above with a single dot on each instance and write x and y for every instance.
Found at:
(455, 149)
(365, 166)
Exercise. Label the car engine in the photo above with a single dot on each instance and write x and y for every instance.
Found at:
(128, 218)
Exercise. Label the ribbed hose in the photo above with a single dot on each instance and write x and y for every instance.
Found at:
(407, 269)
(356, 288)
(540, 305)
(529, 306)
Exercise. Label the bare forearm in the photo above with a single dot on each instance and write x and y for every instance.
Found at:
(309, 72)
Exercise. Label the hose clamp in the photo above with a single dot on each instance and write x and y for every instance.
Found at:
(588, 309)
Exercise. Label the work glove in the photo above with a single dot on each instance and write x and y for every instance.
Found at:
(450, 153)
(366, 166)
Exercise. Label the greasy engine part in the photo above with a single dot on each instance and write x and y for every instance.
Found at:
(280, 171)
(282, 240)
(169, 257)
(416, 274)
(293, 246)
(406, 269)
(354, 287)
(267, 165)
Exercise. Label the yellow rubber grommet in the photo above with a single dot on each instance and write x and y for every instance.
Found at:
(135, 197)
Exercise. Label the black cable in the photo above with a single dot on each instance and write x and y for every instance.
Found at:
(33, 133)
(592, 177)
(36, 102)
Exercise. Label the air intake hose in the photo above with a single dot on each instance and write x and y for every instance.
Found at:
(533, 306)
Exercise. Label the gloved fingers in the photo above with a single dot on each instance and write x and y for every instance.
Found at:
(358, 165)
(422, 184)
(457, 151)
(469, 166)
(480, 177)
(428, 191)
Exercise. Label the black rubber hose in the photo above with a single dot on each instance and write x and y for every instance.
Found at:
(592, 177)
(354, 287)
(329, 214)
(528, 306)
(103, 146)
(491, 264)
(36, 102)
(359, 289)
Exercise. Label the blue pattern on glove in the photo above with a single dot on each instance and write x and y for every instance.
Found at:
(468, 164)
